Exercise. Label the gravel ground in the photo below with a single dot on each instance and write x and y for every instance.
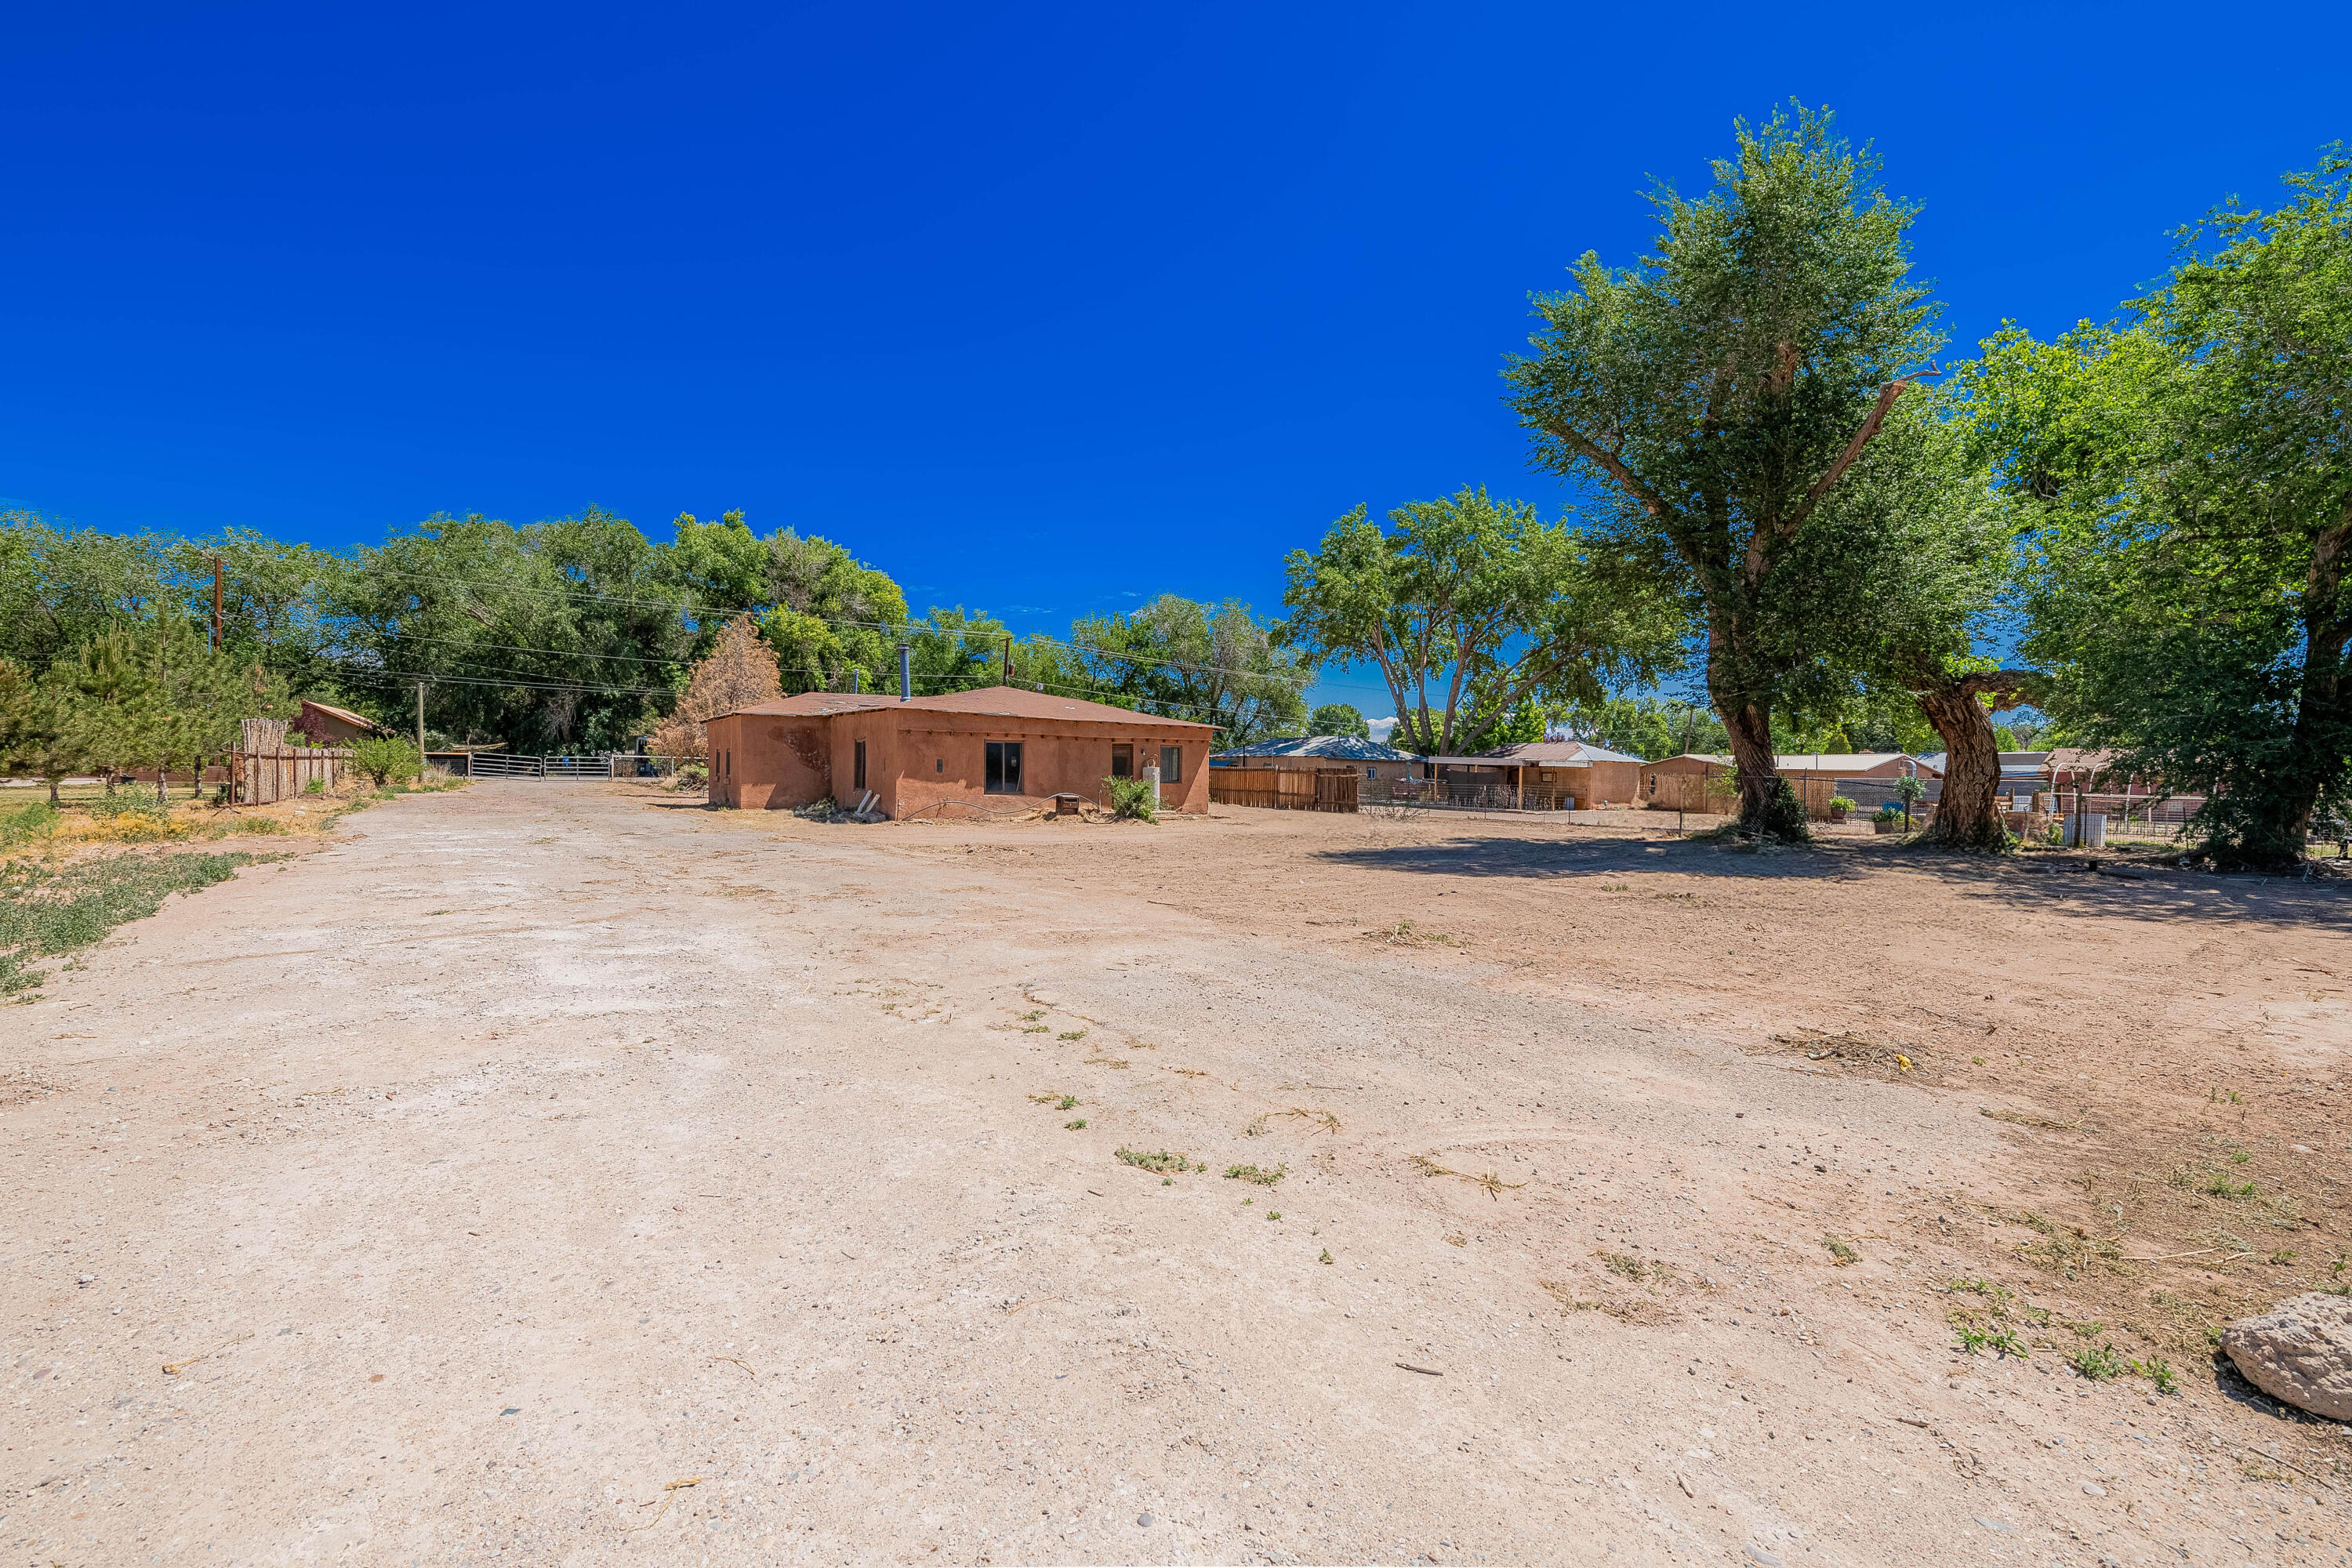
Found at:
(457, 1192)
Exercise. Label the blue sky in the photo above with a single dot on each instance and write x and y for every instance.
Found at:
(1042, 310)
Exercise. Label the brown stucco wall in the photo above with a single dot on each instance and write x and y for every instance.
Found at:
(1614, 784)
(945, 758)
(765, 763)
(916, 758)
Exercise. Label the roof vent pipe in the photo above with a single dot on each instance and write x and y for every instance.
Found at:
(906, 675)
(856, 682)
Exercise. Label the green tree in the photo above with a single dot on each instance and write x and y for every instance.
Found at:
(558, 636)
(1716, 395)
(1338, 719)
(1919, 535)
(1471, 608)
(110, 711)
(831, 618)
(2191, 473)
(1213, 663)
(275, 602)
(33, 729)
(60, 588)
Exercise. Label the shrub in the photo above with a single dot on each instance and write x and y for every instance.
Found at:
(38, 820)
(1782, 818)
(1840, 803)
(384, 758)
(1890, 812)
(1134, 798)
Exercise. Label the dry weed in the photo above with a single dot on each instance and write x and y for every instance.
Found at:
(1494, 1184)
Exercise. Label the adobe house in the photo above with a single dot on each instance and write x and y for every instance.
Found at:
(997, 747)
(1540, 776)
(1836, 765)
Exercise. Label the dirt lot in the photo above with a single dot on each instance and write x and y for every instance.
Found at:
(455, 1191)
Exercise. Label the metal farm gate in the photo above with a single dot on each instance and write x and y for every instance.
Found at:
(588, 765)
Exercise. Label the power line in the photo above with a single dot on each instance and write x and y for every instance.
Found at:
(518, 680)
(886, 627)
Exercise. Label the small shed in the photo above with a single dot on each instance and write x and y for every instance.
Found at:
(1691, 781)
(328, 725)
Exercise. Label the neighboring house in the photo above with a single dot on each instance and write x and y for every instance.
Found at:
(2073, 768)
(1851, 765)
(1540, 776)
(330, 726)
(999, 746)
(1369, 759)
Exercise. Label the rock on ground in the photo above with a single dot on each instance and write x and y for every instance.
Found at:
(2300, 1352)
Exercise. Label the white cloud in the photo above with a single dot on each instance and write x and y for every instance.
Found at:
(1381, 728)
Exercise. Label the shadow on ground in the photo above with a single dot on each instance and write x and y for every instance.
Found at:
(2138, 892)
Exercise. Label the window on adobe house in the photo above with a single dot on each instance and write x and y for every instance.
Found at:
(1003, 767)
(1122, 761)
(859, 769)
(1171, 764)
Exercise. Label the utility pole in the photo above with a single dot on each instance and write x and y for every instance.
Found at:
(217, 604)
(420, 730)
(1008, 661)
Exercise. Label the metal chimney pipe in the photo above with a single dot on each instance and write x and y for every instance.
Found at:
(856, 677)
(906, 674)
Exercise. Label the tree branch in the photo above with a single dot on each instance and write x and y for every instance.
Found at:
(1787, 528)
(1585, 447)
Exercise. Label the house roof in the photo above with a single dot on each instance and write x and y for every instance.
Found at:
(1839, 762)
(1346, 748)
(1712, 758)
(345, 714)
(996, 702)
(1541, 754)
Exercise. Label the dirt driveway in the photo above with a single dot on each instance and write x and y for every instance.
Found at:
(460, 1191)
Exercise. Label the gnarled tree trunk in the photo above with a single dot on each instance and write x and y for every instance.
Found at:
(1750, 730)
(1965, 817)
(2323, 719)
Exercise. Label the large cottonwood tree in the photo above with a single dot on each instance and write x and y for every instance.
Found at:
(2191, 475)
(1716, 394)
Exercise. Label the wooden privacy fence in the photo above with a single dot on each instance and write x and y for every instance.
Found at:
(1284, 789)
(1702, 795)
(264, 768)
(1718, 795)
